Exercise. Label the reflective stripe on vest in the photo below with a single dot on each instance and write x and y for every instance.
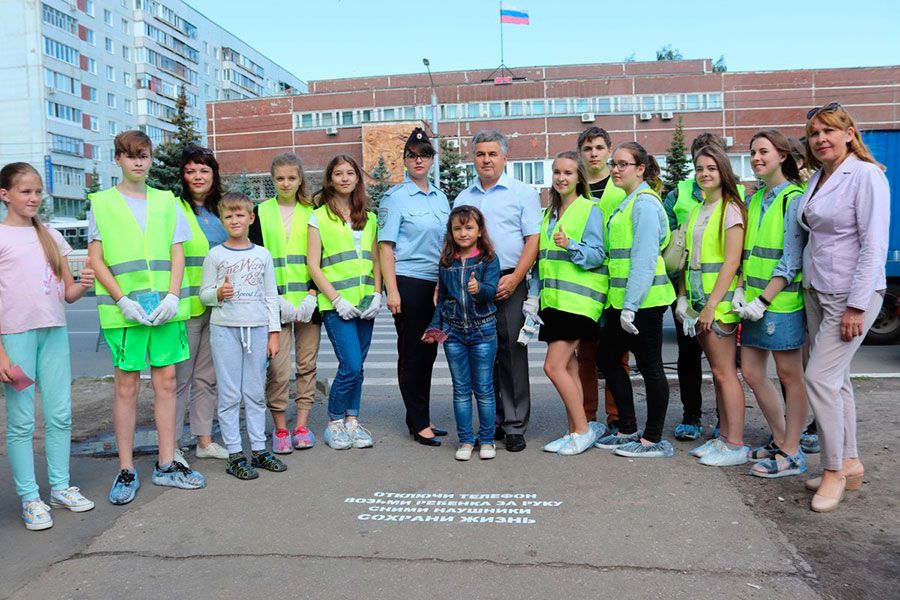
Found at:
(288, 255)
(685, 201)
(712, 259)
(764, 247)
(566, 286)
(139, 260)
(195, 250)
(619, 241)
(349, 272)
(611, 198)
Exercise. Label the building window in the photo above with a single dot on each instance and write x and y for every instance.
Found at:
(108, 17)
(91, 66)
(582, 105)
(127, 79)
(93, 123)
(63, 175)
(129, 106)
(603, 105)
(90, 92)
(89, 7)
(538, 107)
(61, 82)
(114, 181)
(56, 110)
(66, 145)
(124, 25)
(89, 37)
(529, 171)
(126, 53)
(60, 51)
(111, 100)
(108, 44)
(113, 127)
(112, 155)
(59, 19)
(740, 164)
(110, 73)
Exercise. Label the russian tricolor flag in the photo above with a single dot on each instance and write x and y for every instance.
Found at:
(512, 15)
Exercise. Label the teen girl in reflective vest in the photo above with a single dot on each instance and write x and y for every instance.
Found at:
(195, 378)
(639, 293)
(574, 283)
(281, 227)
(774, 319)
(714, 240)
(342, 246)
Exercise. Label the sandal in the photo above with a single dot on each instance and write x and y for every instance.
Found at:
(780, 465)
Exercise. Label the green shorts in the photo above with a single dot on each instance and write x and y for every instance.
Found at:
(165, 344)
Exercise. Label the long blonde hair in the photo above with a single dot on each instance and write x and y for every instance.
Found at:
(8, 177)
(839, 118)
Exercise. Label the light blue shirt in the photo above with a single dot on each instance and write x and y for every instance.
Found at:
(794, 237)
(512, 211)
(416, 223)
(212, 227)
(649, 226)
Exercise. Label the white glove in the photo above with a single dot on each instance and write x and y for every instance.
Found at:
(531, 306)
(753, 311)
(738, 301)
(132, 311)
(626, 320)
(689, 326)
(344, 309)
(167, 309)
(288, 312)
(307, 308)
(373, 309)
(681, 308)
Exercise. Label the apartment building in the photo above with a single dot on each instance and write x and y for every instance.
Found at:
(77, 72)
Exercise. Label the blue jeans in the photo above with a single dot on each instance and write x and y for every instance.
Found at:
(350, 340)
(471, 354)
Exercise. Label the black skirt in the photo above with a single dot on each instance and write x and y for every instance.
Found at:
(565, 326)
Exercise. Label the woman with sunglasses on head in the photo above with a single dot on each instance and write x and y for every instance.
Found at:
(412, 218)
(773, 316)
(846, 210)
(715, 243)
(639, 294)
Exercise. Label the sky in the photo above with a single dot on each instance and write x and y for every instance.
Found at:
(328, 39)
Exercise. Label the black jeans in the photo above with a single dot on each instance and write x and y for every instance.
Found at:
(415, 358)
(647, 350)
(690, 375)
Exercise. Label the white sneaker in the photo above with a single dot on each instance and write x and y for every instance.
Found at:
(214, 450)
(179, 458)
(487, 451)
(36, 515)
(70, 498)
(359, 435)
(463, 452)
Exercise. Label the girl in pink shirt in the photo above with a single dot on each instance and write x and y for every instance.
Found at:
(34, 344)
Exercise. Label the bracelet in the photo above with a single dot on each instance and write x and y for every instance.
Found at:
(764, 300)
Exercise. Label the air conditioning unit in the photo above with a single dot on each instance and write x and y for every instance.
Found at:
(50, 90)
(666, 116)
(331, 130)
(646, 116)
(588, 117)
(729, 141)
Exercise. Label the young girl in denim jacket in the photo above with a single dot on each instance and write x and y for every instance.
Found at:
(464, 318)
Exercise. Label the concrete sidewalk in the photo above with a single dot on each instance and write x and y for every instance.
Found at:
(591, 525)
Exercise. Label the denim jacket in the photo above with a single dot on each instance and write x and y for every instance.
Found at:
(455, 305)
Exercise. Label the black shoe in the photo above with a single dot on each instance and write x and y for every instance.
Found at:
(499, 434)
(438, 432)
(426, 441)
(515, 442)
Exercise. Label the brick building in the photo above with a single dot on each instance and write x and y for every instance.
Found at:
(542, 112)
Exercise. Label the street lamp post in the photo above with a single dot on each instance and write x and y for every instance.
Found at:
(434, 127)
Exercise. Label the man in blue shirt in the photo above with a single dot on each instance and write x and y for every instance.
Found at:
(512, 212)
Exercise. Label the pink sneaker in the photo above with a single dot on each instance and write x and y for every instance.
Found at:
(281, 442)
(303, 438)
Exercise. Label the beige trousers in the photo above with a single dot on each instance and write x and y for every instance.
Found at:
(195, 380)
(306, 338)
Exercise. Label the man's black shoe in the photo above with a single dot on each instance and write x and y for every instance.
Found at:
(515, 442)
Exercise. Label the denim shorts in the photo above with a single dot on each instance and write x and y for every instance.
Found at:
(775, 331)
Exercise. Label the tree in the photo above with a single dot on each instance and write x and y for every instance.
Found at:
(165, 173)
(381, 183)
(630, 58)
(242, 185)
(453, 174)
(667, 52)
(92, 188)
(677, 162)
(719, 66)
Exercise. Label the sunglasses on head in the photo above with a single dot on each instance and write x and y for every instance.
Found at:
(830, 107)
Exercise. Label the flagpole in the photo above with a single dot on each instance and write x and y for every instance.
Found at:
(501, 36)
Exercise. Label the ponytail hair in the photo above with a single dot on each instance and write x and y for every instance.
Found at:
(651, 167)
(8, 177)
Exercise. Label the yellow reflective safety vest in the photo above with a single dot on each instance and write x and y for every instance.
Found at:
(685, 201)
(195, 250)
(139, 260)
(288, 254)
(712, 259)
(348, 270)
(566, 286)
(619, 241)
(764, 247)
(611, 198)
